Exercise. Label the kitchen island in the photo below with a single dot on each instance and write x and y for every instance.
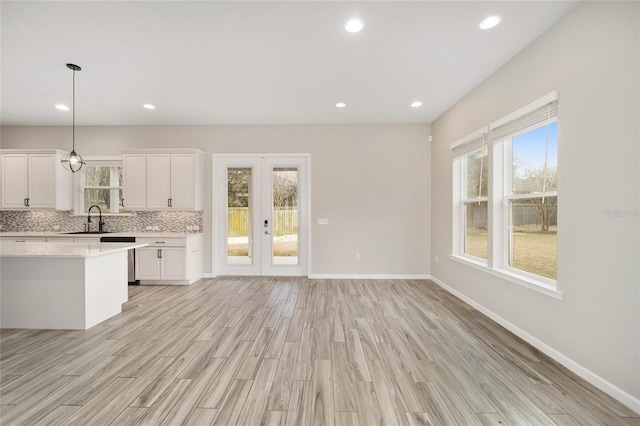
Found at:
(62, 285)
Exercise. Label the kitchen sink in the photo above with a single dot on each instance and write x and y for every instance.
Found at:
(87, 233)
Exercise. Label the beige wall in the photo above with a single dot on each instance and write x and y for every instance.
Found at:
(370, 181)
(591, 57)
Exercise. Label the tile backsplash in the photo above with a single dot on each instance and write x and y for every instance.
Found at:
(46, 221)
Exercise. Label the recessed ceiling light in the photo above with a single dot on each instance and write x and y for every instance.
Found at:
(489, 22)
(341, 105)
(149, 106)
(62, 107)
(354, 26)
(416, 104)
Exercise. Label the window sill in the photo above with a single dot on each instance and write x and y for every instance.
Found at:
(531, 284)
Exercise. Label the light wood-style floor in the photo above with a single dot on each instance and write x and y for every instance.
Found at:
(292, 351)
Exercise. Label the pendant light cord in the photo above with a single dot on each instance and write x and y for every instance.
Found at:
(73, 113)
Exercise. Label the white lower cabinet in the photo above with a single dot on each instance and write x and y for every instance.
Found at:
(148, 263)
(173, 265)
(169, 260)
(160, 263)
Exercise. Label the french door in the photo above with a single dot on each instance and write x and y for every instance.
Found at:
(261, 215)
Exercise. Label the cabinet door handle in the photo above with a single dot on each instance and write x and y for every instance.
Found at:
(170, 202)
(159, 253)
(122, 202)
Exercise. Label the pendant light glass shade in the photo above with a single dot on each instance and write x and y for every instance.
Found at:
(73, 161)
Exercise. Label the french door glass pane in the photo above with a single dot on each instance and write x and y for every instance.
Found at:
(533, 237)
(285, 216)
(239, 241)
(476, 238)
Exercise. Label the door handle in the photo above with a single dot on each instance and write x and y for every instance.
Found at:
(267, 233)
(170, 202)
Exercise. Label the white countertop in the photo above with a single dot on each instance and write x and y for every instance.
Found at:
(140, 234)
(62, 249)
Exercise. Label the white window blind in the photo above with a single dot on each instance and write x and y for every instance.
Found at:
(536, 113)
(470, 142)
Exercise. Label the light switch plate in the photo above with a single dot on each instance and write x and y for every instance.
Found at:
(323, 221)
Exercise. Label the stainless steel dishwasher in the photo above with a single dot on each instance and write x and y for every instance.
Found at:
(131, 255)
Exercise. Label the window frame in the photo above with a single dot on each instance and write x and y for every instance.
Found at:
(506, 145)
(499, 197)
(81, 178)
(463, 200)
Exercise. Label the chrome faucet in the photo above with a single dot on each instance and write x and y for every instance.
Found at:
(100, 221)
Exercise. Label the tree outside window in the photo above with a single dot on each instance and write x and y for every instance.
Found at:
(533, 201)
(103, 187)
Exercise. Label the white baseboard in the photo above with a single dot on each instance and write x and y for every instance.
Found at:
(353, 276)
(368, 277)
(599, 382)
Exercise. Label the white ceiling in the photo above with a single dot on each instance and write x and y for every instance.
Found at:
(262, 62)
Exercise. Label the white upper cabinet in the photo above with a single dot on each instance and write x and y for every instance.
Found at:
(34, 180)
(134, 185)
(159, 181)
(163, 179)
(183, 190)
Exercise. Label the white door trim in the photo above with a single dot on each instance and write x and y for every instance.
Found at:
(218, 252)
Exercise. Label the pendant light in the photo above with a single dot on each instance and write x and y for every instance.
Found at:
(73, 161)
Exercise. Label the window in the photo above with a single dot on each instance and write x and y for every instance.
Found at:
(532, 200)
(505, 200)
(471, 187)
(101, 185)
(475, 167)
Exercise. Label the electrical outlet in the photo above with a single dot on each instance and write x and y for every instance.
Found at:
(56, 227)
(189, 228)
(436, 259)
(156, 228)
(195, 228)
(357, 256)
(148, 228)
